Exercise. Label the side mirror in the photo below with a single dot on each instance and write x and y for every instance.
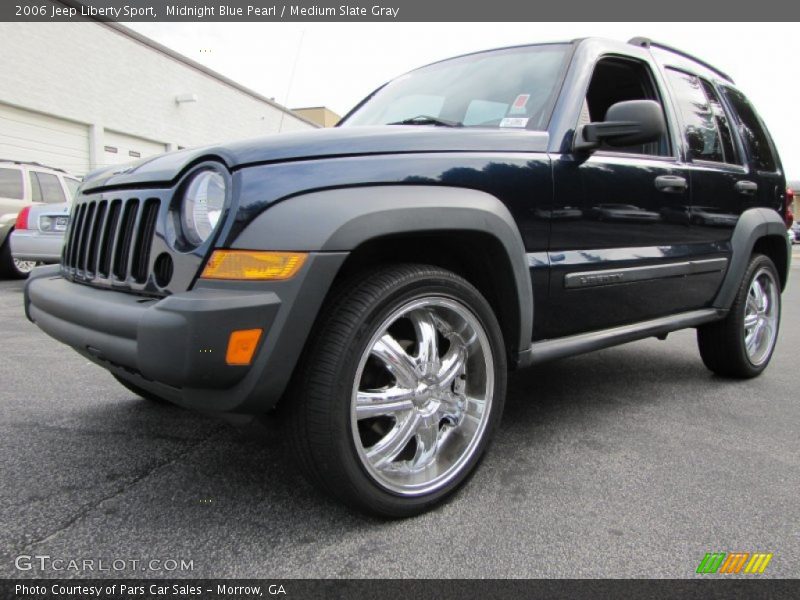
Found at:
(626, 124)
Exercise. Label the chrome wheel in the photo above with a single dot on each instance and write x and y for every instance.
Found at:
(422, 395)
(24, 266)
(762, 311)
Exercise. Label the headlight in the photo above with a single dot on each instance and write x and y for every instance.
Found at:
(202, 206)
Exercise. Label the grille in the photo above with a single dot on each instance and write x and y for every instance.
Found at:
(111, 239)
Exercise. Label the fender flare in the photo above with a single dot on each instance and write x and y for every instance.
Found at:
(339, 220)
(753, 224)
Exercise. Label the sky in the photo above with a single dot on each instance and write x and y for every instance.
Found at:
(337, 64)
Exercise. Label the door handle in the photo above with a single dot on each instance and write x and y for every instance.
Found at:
(746, 187)
(673, 184)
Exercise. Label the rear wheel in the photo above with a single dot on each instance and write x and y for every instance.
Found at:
(141, 392)
(741, 345)
(400, 391)
(12, 268)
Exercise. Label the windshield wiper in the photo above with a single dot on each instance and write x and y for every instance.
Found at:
(427, 120)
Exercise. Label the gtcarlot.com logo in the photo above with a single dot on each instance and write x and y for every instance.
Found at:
(734, 562)
(45, 562)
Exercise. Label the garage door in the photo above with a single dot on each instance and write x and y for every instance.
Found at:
(122, 148)
(31, 136)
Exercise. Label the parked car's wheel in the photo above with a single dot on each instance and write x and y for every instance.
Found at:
(141, 392)
(12, 268)
(741, 345)
(400, 390)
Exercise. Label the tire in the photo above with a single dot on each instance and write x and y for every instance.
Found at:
(10, 268)
(724, 345)
(141, 392)
(359, 455)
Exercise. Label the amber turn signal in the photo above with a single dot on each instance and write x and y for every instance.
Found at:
(253, 265)
(242, 346)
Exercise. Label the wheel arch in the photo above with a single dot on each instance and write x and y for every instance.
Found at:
(467, 231)
(760, 230)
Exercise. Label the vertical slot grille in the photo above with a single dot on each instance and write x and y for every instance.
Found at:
(141, 252)
(107, 243)
(94, 240)
(85, 231)
(110, 240)
(124, 239)
(76, 226)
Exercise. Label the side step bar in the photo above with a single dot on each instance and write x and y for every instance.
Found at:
(547, 350)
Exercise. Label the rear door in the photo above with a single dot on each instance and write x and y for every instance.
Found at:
(723, 184)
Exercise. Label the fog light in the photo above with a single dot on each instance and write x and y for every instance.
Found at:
(242, 346)
(247, 264)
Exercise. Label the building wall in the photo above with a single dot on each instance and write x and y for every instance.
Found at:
(92, 74)
(319, 114)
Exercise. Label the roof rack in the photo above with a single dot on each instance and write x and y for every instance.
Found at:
(31, 163)
(647, 43)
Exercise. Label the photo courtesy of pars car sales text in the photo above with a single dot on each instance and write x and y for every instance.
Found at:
(437, 301)
(150, 590)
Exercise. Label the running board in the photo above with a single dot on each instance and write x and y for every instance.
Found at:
(547, 350)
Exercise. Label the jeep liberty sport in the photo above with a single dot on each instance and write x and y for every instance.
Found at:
(377, 281)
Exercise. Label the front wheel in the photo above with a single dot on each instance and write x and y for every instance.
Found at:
(741, 345)
(400, 390)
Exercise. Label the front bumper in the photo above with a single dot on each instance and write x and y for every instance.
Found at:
(33, 245)
(175, 346)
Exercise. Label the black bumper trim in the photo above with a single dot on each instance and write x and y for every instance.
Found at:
(178, 343)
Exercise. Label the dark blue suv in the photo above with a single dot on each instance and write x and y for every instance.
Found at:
(376, 281)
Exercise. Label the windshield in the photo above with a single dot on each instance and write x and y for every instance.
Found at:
(514, 88)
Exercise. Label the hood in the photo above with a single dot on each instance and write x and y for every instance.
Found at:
(323, 143)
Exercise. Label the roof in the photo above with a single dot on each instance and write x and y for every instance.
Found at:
(648, 43)
(31, 163)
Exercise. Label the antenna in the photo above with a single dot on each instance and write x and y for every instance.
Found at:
(291, 78)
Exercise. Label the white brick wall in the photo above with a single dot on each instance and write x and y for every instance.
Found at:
(92, 74)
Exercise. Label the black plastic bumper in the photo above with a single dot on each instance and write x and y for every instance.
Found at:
(175, 346)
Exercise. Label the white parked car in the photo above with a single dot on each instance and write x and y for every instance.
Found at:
(22, 184)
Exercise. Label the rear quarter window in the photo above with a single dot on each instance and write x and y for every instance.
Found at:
(754, 134)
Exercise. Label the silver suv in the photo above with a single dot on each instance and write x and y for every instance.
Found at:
(23, 184)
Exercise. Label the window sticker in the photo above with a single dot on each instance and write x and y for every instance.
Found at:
(520, 104)
(518, 122)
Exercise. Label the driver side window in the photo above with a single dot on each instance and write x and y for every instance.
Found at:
(618, 80)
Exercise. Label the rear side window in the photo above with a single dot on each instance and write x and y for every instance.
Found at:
(36, 189)
(51, 189)
(705, 124)
(11, 184)
(754, 134)
(723, 125)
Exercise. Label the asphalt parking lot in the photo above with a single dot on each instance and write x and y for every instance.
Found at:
(630, 462)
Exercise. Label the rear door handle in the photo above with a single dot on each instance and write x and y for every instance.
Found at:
(673, 184)
(746, 187)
